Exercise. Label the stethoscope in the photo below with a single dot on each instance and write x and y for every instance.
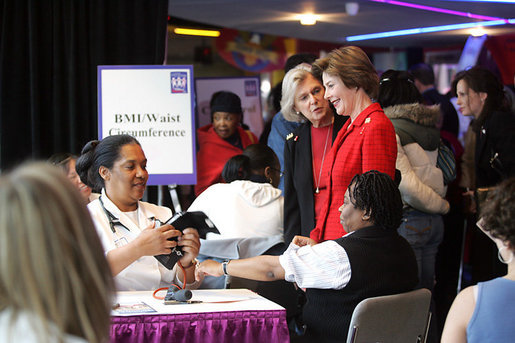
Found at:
(113, 221)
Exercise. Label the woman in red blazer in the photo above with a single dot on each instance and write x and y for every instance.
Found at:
(365, 142)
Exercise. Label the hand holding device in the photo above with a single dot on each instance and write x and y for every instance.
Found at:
(180, 221)
(154, 240)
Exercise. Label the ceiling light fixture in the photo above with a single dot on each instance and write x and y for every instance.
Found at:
(196, 32)
(478, 31)
(351, 8)
(308, 18)
(428, 29)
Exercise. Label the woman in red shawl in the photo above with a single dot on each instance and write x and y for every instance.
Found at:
(220, 140)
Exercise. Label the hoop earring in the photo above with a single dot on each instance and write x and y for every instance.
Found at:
(501, 258)
(270, 180)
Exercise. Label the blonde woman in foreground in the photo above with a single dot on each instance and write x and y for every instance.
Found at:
(55, 283)
(486, 312)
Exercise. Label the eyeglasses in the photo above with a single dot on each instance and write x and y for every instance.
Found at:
(278, 170)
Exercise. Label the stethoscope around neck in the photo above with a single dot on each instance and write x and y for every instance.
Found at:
(113, 221)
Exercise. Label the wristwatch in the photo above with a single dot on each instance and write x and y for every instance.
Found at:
(224, 267)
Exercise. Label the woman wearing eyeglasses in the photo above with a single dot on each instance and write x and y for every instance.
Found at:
(130, 229)
(249, 204)
(224, 138)
(305, 151)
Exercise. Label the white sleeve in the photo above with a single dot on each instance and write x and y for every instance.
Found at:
(325, 265)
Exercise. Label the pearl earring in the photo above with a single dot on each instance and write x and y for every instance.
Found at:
(501, 258)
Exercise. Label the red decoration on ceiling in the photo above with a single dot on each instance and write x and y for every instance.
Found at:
(252, 52)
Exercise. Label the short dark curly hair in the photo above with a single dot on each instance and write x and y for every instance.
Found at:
(498, 212)
(378, 195)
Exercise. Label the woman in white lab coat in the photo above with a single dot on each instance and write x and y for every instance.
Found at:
(130, 229)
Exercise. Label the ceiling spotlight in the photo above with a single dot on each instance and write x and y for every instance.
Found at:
(351, 8)
(308, 19)
(478, 31)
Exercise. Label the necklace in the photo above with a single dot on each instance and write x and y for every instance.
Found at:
(317, 182)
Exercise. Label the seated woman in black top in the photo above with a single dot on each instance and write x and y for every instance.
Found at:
(372, 260)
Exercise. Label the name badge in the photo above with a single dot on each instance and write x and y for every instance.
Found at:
(120, 242)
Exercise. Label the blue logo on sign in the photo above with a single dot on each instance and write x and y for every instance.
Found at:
(179, 81)
(250, 88)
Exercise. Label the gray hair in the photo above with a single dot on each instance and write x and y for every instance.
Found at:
(291, 81)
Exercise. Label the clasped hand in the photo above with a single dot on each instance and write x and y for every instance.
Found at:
(208, 267)
(302, 241)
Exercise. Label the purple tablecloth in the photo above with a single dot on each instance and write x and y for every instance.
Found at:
(240, 326)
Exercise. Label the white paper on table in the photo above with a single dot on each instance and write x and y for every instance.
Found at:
(214, 296)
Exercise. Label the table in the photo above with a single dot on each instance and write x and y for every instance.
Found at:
(225, 315)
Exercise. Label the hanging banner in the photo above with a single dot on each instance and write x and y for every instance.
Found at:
(252, 52)
(502, 49)
(154, 104)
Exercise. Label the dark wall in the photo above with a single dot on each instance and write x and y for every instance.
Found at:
(49, 52)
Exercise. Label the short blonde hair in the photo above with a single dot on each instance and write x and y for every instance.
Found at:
(52, 264)
(291, 81)
(352, 66)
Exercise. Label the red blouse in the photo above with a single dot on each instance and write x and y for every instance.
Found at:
(321, 142)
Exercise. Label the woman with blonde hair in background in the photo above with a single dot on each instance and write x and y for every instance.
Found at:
(306, 149)
(55, 284)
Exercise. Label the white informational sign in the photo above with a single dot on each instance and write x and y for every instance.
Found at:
(154, 104)
(247, 88)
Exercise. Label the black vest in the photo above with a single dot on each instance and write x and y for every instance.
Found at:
(382, 263)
